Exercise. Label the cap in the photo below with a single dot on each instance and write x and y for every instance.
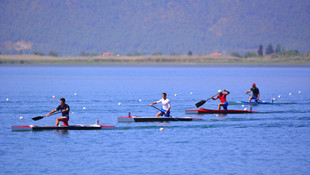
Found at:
(219, 91)
(253, 84)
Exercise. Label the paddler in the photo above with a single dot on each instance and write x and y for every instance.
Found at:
(165, 110)
(222, 97)
(255, 92)
(65, 109)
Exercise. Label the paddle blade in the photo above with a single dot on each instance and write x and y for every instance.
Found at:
(37, 118)
(200, 103)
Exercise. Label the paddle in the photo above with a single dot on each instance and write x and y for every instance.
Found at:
(203, 101)
(254, 98)
(164, 114)
(40, 117)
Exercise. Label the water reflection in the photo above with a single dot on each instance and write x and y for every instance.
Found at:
(221, 115)
(62, 132)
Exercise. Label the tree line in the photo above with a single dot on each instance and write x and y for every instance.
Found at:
(22, 46)
(279, 50)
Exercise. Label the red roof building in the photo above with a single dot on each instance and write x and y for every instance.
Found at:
(107, 54)
(215, 54)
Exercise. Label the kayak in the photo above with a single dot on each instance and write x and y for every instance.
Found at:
(154, 119)
(53, 127)
(211, 111)
(251, 103)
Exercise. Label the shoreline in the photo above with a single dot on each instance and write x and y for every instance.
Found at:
(163, 65)
(162, 60)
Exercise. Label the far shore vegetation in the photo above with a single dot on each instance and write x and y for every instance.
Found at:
(155, 59)
(270, 56)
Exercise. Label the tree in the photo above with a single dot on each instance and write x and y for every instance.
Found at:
(157, 53)
(278, 49)
(93, 54)
(260, 50)
(190, 53)
(38, 53)
(249, 54)
(83, 54)
(173, 53)
(235, 54)
(283, 49)
(22, 45)
(136, 53)
(269, 49)
(52, 53)
(290, 53)
(18, 46)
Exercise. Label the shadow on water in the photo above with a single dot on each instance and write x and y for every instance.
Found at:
(62, 133)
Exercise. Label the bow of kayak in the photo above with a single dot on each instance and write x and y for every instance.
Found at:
(212, 111)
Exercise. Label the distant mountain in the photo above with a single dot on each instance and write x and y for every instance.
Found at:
(69, 27)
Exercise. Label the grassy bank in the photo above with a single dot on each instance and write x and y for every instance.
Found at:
(205, 59)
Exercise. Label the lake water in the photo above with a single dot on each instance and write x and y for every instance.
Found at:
(276, 141)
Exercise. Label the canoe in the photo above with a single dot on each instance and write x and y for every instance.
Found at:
(154, 119)
(251, 103)
(53, 127)
(211, 111)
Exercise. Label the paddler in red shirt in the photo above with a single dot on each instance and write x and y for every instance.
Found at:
(222, 97)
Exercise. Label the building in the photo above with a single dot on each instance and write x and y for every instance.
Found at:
(107, 54)
(215, 54)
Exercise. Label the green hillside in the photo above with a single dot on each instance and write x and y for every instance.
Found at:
(69, 27)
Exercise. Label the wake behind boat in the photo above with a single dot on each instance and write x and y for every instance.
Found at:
(154, 119)
(212, 111)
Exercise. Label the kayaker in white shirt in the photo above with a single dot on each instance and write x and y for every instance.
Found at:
(165, 110)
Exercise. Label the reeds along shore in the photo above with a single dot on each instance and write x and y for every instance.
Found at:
(148, 59)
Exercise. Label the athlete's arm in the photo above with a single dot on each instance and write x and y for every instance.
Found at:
(258, 96)
(67, 109)
(227, 92)
(167, 110)
(248, 91)
(169, 106)
(214, 98)
(154, 103)
(51, 112)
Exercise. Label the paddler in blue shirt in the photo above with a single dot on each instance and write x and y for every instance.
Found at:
(165, 110)
(255, 92)
(65, 109)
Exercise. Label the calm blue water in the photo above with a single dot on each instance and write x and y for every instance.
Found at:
(276, 141)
